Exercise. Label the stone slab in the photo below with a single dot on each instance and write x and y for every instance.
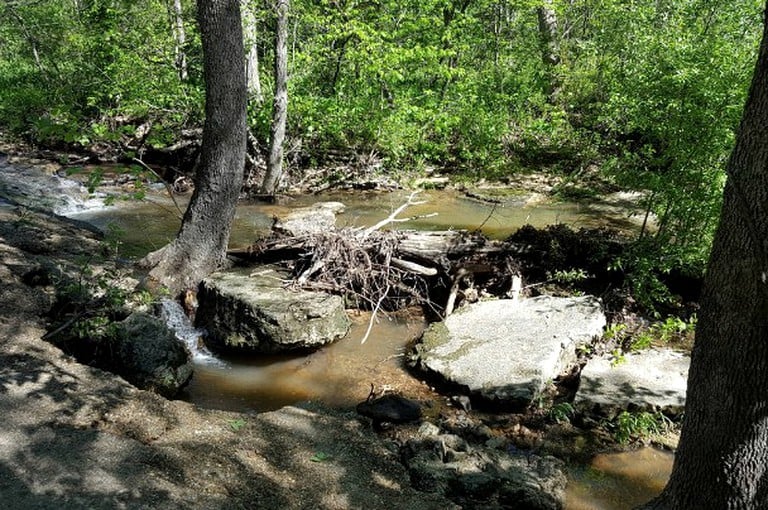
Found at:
(253, 311)
(653, 380)
(506, 351)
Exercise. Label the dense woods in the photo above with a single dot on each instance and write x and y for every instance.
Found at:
(644, 94)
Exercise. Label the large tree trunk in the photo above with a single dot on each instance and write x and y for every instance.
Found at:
(201, 243)
(722, 461)
(280, 110)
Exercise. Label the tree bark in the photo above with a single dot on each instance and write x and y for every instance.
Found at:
(721, 460)
(200, 245)
(252, 56)
(280, 109)
(550, 47)
(181, 40)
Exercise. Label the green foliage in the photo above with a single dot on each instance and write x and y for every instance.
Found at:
(236, 424)
(91, 299)
(648, 91)
(320, 457)
(85, 72)
(561, 413)
(638, 426)
(568, 277)
(665, 83)
(615, 332)
(664, 332)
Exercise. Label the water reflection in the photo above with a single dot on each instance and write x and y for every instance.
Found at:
(150, 224)
(339, 375)
(618, 481)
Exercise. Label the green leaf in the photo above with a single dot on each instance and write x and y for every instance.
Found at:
(236, 424)
(320, 457)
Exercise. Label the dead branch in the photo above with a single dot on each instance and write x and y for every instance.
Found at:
(382, 270)
(392, 218)
(167, 186)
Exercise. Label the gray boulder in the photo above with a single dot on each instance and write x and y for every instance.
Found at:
(316, 219)
(652, 380)
(483, 477)
(506, 352)
(148, 354)
(254, 312)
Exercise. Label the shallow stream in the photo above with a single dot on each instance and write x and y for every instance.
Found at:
(342, 374)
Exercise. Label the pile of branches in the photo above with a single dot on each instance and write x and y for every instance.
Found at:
(365, 269)
(377, 269)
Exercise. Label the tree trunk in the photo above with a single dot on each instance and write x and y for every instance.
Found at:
(201, 243)
(280, 110)
(181, 40)
(252, 56)
(721, 461)
(550, 47)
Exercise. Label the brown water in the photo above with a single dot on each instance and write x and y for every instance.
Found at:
(339, 375)
(617, 481)
(151, 224)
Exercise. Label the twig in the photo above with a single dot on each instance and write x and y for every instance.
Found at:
(373, 315)
(392, 218)
(490, 214)
(167, 186)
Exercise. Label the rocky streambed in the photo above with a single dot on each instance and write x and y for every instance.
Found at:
(142, 450)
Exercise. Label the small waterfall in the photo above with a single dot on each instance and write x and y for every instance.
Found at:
(75, 198)
(173, 315)
(38, 187)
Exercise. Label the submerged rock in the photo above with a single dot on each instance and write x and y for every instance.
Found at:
(316, 219)
(148, 354)
(504, 351)
(254, 312)
(652, 380)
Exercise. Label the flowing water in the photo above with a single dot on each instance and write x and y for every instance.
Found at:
(152, 223)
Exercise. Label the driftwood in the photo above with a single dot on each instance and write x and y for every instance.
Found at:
(386, 270)
(391, 269)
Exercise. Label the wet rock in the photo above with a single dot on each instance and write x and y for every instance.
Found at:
(318, 218)
(390, 408)
(505, 352)
(148, 354)
(650, 380)
(251, 311)
(38, 187)
(480, 477)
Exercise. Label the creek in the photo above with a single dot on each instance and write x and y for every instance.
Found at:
(341, 374)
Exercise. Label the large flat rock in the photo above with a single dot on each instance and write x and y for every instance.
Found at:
(252, 311)
(505, 351)
(652, 380)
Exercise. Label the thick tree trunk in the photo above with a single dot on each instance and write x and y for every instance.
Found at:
(722, 459)
(252, 56)
(280, 111)
(201, 243)
(181, 40)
